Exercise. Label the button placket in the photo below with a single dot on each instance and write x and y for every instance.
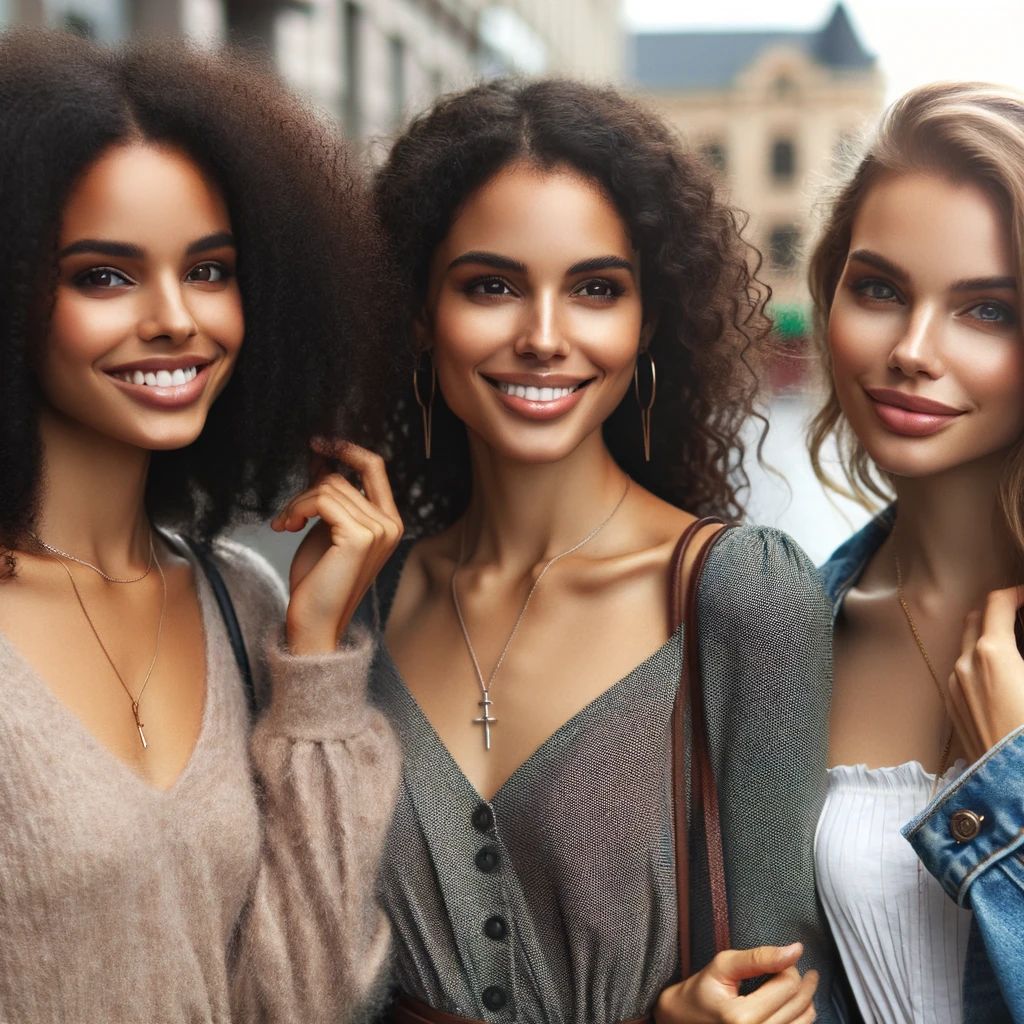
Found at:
(487, 937)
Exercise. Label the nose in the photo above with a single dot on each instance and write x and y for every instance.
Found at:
(166, 316)
(542, 337)
(918, 350)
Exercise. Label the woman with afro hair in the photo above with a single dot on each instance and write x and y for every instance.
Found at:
(183, 251)
(581, 323)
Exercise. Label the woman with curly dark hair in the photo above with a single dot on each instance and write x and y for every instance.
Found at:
(583, 319)
(180, 246)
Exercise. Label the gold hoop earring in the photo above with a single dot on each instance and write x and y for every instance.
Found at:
(428, 409)
(645, 411)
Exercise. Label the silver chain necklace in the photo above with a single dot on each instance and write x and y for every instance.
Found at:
(485, 688)
(96, 568)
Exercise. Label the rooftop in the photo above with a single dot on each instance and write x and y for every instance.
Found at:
(712, 60)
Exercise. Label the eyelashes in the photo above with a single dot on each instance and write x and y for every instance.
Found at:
(600, 289)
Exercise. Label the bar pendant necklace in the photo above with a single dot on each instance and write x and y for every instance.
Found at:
(486, 720)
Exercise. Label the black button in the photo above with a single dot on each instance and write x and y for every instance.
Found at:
(496, 928)
(494, 997)
(487, 859)
(483, 818)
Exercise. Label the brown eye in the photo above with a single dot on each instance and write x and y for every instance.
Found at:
(102, 277)
(207, 273)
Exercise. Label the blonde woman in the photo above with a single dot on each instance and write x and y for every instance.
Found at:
(916, 283)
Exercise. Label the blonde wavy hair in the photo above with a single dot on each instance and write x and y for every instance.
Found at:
(964, 132)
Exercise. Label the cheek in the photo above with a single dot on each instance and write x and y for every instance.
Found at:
(859, 340)
(465, 333)
(82, 330)
(992, 375)
(220, 317)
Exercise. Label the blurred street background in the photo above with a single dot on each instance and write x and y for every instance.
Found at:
(776, 97)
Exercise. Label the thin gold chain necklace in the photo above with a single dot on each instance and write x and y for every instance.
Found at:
(485, 687)
(944, 760)
(136, 701)
(95, 568)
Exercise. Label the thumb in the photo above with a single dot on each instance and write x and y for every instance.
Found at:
(733, 965)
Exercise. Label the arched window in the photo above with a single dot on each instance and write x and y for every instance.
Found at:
(784, 247)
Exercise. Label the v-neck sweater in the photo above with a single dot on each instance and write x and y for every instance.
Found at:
(554, 902)
(243, 893)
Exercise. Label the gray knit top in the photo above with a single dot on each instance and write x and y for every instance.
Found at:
(555, 901)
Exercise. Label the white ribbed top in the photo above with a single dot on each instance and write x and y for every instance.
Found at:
(901, 938)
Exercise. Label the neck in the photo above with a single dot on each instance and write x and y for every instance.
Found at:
(93, 494)
(951, 535)
(521, 514)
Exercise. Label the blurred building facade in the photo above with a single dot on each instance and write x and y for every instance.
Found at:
(371, 63)
(779, 113)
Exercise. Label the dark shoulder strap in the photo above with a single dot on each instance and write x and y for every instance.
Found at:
(227, 611)
(705, 792)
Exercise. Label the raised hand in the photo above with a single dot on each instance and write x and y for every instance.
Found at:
(985, 694)
(341, 555)
(712, 995)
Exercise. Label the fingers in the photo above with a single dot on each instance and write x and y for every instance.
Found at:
(799, 1009)
(733, 965)
(972, 632)
(303, 506)
(1001, 612)
(370, 467)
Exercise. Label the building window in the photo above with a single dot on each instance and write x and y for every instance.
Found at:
(784, 88)
(396, 74)
(353, 106)
(784, 247)
(714, 154)
(783, 161)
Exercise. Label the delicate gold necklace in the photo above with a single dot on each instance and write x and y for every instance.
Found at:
(136, 701)
(96, 568)
(944, 761)
(485, 687)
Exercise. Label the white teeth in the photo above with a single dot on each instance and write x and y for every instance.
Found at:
(178, 377)
(150, 379)
(532, 394)
(138, 377)
(163, 379)
(160, 378)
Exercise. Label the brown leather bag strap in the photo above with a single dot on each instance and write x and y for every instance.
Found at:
(705, 792)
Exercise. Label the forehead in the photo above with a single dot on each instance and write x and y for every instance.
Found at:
(143, 190)
(550, 217)
(935, 229)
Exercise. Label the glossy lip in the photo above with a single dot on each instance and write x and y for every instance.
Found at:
(910, 415)
(538, 410)
(175, 397)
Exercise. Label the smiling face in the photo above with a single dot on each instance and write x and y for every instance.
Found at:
(924, 330)
(147, 318)
(533, 313)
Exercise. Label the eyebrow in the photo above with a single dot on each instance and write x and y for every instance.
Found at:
(488, 259)
(218, 240)
(601, 263)
(499, 262)
(129, 251)
(970, 284)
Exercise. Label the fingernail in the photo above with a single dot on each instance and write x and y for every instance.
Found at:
(791, 948)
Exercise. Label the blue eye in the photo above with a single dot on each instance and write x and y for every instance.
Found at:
(102, 277)
(992, 313)
(876, 290)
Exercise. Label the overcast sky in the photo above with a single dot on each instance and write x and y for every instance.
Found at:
(915, 42)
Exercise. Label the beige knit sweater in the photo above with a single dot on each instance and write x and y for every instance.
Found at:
(244, 893)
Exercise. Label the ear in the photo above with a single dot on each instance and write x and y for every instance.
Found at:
(646, 333)
(422, 331)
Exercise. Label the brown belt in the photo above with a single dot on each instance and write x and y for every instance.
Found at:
(411, 1011)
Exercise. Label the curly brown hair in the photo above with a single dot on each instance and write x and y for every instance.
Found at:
(699, 284)
(306, 254)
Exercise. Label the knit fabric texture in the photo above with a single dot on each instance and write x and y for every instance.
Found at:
(244, 893)
(579, 861)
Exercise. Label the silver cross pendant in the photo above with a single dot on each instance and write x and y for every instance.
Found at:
(485, 720)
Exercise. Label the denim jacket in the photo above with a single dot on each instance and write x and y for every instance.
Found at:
(986, 871)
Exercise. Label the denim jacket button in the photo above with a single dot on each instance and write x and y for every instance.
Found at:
(965, 825)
